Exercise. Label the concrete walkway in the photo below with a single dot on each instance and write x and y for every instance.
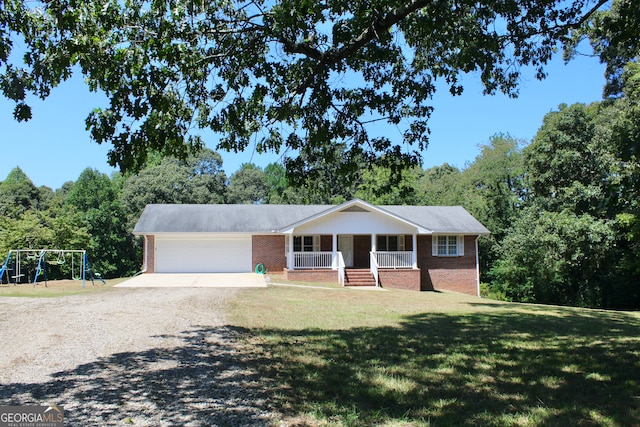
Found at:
(195, 280)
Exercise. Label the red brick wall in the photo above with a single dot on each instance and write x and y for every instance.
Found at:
(456, 274)
(312, 275)
(149, 254)
(270, 251)
(400, 279)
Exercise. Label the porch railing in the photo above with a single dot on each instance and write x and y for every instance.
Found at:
(394, 259)
(312, 260)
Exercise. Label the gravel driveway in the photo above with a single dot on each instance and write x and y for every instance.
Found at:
(147, 357)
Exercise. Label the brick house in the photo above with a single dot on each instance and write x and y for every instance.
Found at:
(355, 243)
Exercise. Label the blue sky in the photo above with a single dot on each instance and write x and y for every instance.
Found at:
(54, 147)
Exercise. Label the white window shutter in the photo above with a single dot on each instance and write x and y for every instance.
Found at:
(460, 245)
(434, 245)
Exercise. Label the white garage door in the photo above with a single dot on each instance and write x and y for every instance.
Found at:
(220, 255)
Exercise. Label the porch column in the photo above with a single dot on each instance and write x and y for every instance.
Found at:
(290, 261)
(373, 246)
(414, 248)
(334, 252)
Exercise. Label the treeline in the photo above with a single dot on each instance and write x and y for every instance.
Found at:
(563, 209)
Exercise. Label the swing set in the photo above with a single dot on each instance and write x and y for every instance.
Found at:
(20, 260)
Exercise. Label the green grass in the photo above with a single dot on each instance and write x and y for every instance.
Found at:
(361, 358)
(56, 288)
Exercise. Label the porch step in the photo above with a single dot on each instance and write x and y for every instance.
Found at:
(359, 278)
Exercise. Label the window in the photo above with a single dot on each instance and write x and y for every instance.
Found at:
(390, 243)
(448, 246)
(305, 244)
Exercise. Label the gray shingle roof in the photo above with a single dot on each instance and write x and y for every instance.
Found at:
(174, 218)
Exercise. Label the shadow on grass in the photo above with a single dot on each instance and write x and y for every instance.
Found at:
(205, 381)
(499, 368)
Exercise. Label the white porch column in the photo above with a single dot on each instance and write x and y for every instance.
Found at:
(414, 248)
(290, 261)
(373, 242)
(334, 251)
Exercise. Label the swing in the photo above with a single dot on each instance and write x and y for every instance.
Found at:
(60, 260)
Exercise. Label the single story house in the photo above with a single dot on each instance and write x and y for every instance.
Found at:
(409, 247)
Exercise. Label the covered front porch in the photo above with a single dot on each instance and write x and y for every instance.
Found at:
(346, 257)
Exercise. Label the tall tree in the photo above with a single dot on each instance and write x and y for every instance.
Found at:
(377, 187)
(440, 185)
(614, 35)
(576, 240)
(279, 75)
(247, 185)
(555, 257)
(112, 250)
(494, 183)
(17, 194)
(570, 164)
(198, 179)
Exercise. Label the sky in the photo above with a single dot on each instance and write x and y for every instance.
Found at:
(54, 147)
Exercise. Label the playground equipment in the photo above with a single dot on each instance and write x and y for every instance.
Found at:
(17, 258)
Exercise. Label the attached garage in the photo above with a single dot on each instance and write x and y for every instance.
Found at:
(191, 254)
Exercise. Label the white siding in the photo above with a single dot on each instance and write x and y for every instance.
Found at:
(355, 223)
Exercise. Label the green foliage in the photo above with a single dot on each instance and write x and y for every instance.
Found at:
(284, 75)
(247, 185)
(198, 179)
(440, 185)
(28, 231)
(614, 35)
(555, 257)
(377, 187)
(17, 194)
(111, 250)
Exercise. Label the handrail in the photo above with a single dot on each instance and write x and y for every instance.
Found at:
(341, 266)
(374, 267)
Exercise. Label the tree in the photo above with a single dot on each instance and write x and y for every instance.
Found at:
(575, 241)
(28, 231)
(112, 250)
(614, 35)
(17, 194)
(556, 258)
(439, 185)
(198, 179)
(289, 75)
(571, 164)
(247, 185)
(376, 187)
(493, 183)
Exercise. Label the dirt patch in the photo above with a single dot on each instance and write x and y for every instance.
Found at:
(156, 356)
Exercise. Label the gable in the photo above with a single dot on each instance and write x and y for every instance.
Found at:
(356, 221)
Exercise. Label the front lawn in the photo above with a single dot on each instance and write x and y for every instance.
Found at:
(396, 358)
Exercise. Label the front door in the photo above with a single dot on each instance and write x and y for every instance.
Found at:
(345, 245)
